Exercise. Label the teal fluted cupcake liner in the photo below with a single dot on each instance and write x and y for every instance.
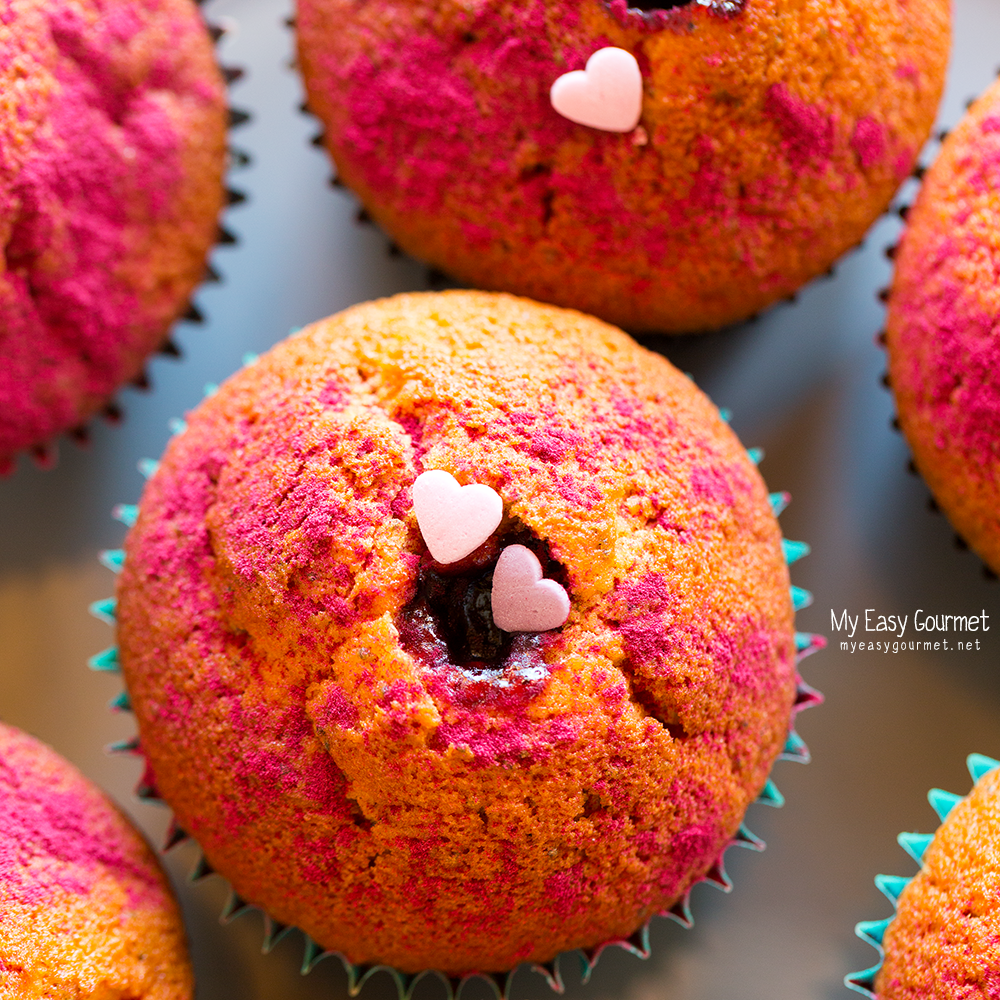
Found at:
(637, 943)
(892, 886)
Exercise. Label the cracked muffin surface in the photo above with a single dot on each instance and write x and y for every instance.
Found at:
(773, 133)
(85, 910)
(112, 149)
(329, 712)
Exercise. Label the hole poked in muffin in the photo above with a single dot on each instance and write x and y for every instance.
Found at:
(661, 5)
(456, 610)
(450, 619)
(658, 13)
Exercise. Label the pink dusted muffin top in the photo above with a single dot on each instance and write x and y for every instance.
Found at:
(58, 834)
(83, 901)
(944, 942)
(772, 134)
(112, 144)
(335, 717)
(943, 330)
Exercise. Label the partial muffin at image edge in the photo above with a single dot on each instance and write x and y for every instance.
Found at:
(770, 136)
(942, 941)
(85, 909)
(334, 718)
(113, 128)
(943, 329)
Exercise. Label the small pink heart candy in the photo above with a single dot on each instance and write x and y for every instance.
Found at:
(454, 520)
(521, 600)
(606, 95)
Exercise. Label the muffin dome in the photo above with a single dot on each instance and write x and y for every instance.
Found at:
(112, 131)
(942, 331)
(333, 715)
(942, 943)
(772, 134)
(85, 910)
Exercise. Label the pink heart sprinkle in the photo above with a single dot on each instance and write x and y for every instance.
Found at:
(454, 520)
(606, 95)
(521, 600)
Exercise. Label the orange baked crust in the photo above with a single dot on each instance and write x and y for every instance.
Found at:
(338, 768)
(944, 942)
(113, 129)
(769, 142)
(85, 910)
(942, 329)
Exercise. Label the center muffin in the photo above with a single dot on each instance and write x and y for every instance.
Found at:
(335, 717)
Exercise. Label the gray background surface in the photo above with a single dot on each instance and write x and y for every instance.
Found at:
(803, 383)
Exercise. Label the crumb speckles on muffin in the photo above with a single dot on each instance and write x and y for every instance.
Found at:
(113, 126)
(84, 908)
(944, 941)
(324, 706)
(944, 349)
(770, 140)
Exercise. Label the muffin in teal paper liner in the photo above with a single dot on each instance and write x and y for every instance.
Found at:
(943, 942)
(85, 910)
(308, 614)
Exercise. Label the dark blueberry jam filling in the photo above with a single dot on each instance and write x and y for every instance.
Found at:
(449, 622)
(456, 610)
(658, 13)
(662, 5)
(516, 677)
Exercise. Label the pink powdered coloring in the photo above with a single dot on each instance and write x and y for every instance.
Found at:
(948, 333)
(806, 130)
(102, 164)
(661, 642)
(59, 835)
(869, 141)
(693, 849)
(420, 141)
(566, 891)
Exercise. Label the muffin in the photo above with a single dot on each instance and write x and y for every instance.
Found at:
(336, 718)
(771, 136)
(942, 943)
(942, 329)
(85, 910)
(113, 126)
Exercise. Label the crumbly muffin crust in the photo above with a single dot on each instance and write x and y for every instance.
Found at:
(303, 708)
(112, 131)
(942, 330)
(944, 942)
(85, 910)
(773, 133)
